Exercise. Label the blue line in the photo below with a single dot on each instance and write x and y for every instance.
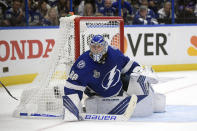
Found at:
(23, 114)
(44, 115)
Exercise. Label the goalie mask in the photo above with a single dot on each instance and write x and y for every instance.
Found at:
(98, 48)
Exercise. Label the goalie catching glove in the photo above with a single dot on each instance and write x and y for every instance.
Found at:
(148, 73)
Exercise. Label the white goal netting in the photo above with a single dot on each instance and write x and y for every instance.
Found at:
(44, 99)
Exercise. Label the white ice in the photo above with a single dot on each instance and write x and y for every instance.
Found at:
(180, 89)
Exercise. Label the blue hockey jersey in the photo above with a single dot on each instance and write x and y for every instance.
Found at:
(102, 78)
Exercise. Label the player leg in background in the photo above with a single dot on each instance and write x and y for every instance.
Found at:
(148, 101)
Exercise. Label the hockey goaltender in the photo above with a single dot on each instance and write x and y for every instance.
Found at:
(117, 87)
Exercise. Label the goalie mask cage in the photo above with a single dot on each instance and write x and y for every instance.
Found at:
(44, 98)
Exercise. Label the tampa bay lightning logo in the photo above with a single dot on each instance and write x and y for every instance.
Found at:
(111, 78)
(81, 64)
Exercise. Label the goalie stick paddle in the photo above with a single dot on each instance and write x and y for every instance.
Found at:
(113, 117)
(8, 91)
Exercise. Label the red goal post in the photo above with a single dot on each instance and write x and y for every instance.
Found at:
(120, 25)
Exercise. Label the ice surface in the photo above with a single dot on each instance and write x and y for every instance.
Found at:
(180, 89)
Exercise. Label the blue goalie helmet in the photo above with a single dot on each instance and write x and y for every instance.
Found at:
(98, 47)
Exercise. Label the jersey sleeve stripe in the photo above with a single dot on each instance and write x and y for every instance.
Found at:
(75, 87)
(127, 67)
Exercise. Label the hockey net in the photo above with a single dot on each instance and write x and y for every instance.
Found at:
(44, 98)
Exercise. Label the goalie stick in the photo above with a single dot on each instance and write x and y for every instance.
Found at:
(8, 91)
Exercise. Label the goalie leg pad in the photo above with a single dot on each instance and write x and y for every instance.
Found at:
(111, 105)
(159, 103)
(138, 86)
(144, 107)
(148, 100)
(72, 107)
(145, 94)
(149, 104)
(91, 105)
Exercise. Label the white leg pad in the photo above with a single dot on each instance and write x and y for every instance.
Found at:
(154, 102)
(159, 102)
(100, 105)
(91, 105)
(145, 107)
(134, 87)
(72, 107)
